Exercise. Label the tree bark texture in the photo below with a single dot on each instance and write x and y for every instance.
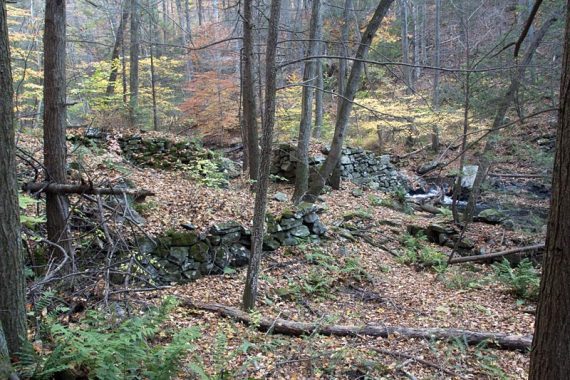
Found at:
(407, 70)
(551, 345)
(286, 327)
(12, 280)
(134, 64)
(116, 49)
(342, 119)
(55, 151)
(248, 97)
(250, 291)
(319, 93)
(436, 54)
(302, 170)
(342, 63)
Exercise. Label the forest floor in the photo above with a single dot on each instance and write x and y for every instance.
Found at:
(338, 281)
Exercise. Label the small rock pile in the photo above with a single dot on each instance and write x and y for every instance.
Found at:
(360, 166)
(161, 153)
(181, 257)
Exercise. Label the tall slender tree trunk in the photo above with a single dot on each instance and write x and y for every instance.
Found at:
(12, 290)
(153, 81)
(134, 64)
(417, 30)
(341, 124)
(200, 13)
(55, 150)
(551, 344)
(319, 99)
(116, 49)
(248, 99)
(124, 73)
(342, 63)
(504, 103)
(407, 70)
(436, 63)
(250, 291)
(302, 170)
(319, 91)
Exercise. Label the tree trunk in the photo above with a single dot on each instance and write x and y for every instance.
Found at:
(116, 49)
(200, 13)
(302, 170)
(55, 151)
(407, 70)
(342, 63)
(12, 290)
(153, 78)
(341, 124)
(503, 105)
(250, 291)
(436, 55)
(416, 41)
(134, 64)
(248, 97)
(551, 345)
(319, 91)
(319, 101)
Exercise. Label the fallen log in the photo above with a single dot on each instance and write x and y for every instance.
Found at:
(500, 175)
(286, 327)
(84, 188)
(488, 256)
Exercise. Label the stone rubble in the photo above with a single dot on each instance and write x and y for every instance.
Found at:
(357, 165)
(181, 257)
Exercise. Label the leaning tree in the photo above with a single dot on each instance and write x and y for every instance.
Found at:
(551, 345)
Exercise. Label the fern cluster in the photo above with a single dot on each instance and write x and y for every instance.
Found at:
(524, 279)
(419, 253)
(103, 350)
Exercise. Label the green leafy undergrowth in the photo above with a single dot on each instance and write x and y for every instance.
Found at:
(327, 271)
(101, 348)
(522, 279)
(419, 253)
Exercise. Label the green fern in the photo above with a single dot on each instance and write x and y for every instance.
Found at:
(106, 350)
(523, 279)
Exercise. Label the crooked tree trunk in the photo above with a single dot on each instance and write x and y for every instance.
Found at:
(302, 170)
(551, 345)
(250, 291)
(116, 50)
(251, 143)
(503, 105)
(12, 280)
(134, 64)
(55, 151)
(341, 124)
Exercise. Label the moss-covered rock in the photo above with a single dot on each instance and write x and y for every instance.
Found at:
(183, 239)
(200, 252)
